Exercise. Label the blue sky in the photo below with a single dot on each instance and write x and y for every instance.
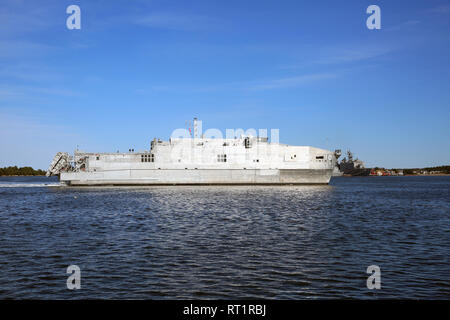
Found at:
(139, 69)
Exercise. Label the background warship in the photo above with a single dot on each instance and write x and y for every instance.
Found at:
(350, 166)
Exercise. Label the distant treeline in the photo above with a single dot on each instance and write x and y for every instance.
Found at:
(443, 169)
(24, 171)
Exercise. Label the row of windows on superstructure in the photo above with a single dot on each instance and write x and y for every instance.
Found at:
(323, 159)
(221, 158)
(148, 157)
(151, 158)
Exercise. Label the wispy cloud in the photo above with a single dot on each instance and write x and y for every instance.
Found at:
(28, 72)
(441, 9)
(14, 49)
(403, 25)
(349, 54)
(176, 21)
(27, 91)
(18, 17)
(291, 82)
(340, 55)
(255, 85)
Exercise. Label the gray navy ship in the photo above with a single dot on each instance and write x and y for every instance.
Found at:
(196, 160)
(352, 166)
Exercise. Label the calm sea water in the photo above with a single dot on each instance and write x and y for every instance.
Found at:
(289, 242)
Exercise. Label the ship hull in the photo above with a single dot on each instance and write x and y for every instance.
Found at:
(357, 172)
(198, 177)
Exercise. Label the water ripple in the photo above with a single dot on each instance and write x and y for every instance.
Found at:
(249, 242)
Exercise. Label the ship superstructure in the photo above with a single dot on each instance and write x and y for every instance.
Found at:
(353, 166)
(193, 160)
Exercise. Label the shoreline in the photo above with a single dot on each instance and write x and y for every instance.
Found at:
(26, 175)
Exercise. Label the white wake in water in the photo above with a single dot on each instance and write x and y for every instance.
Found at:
(29, 185)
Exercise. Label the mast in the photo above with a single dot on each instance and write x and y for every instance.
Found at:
(197, 128)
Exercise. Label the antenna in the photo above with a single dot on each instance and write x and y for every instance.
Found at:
(195, 129)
